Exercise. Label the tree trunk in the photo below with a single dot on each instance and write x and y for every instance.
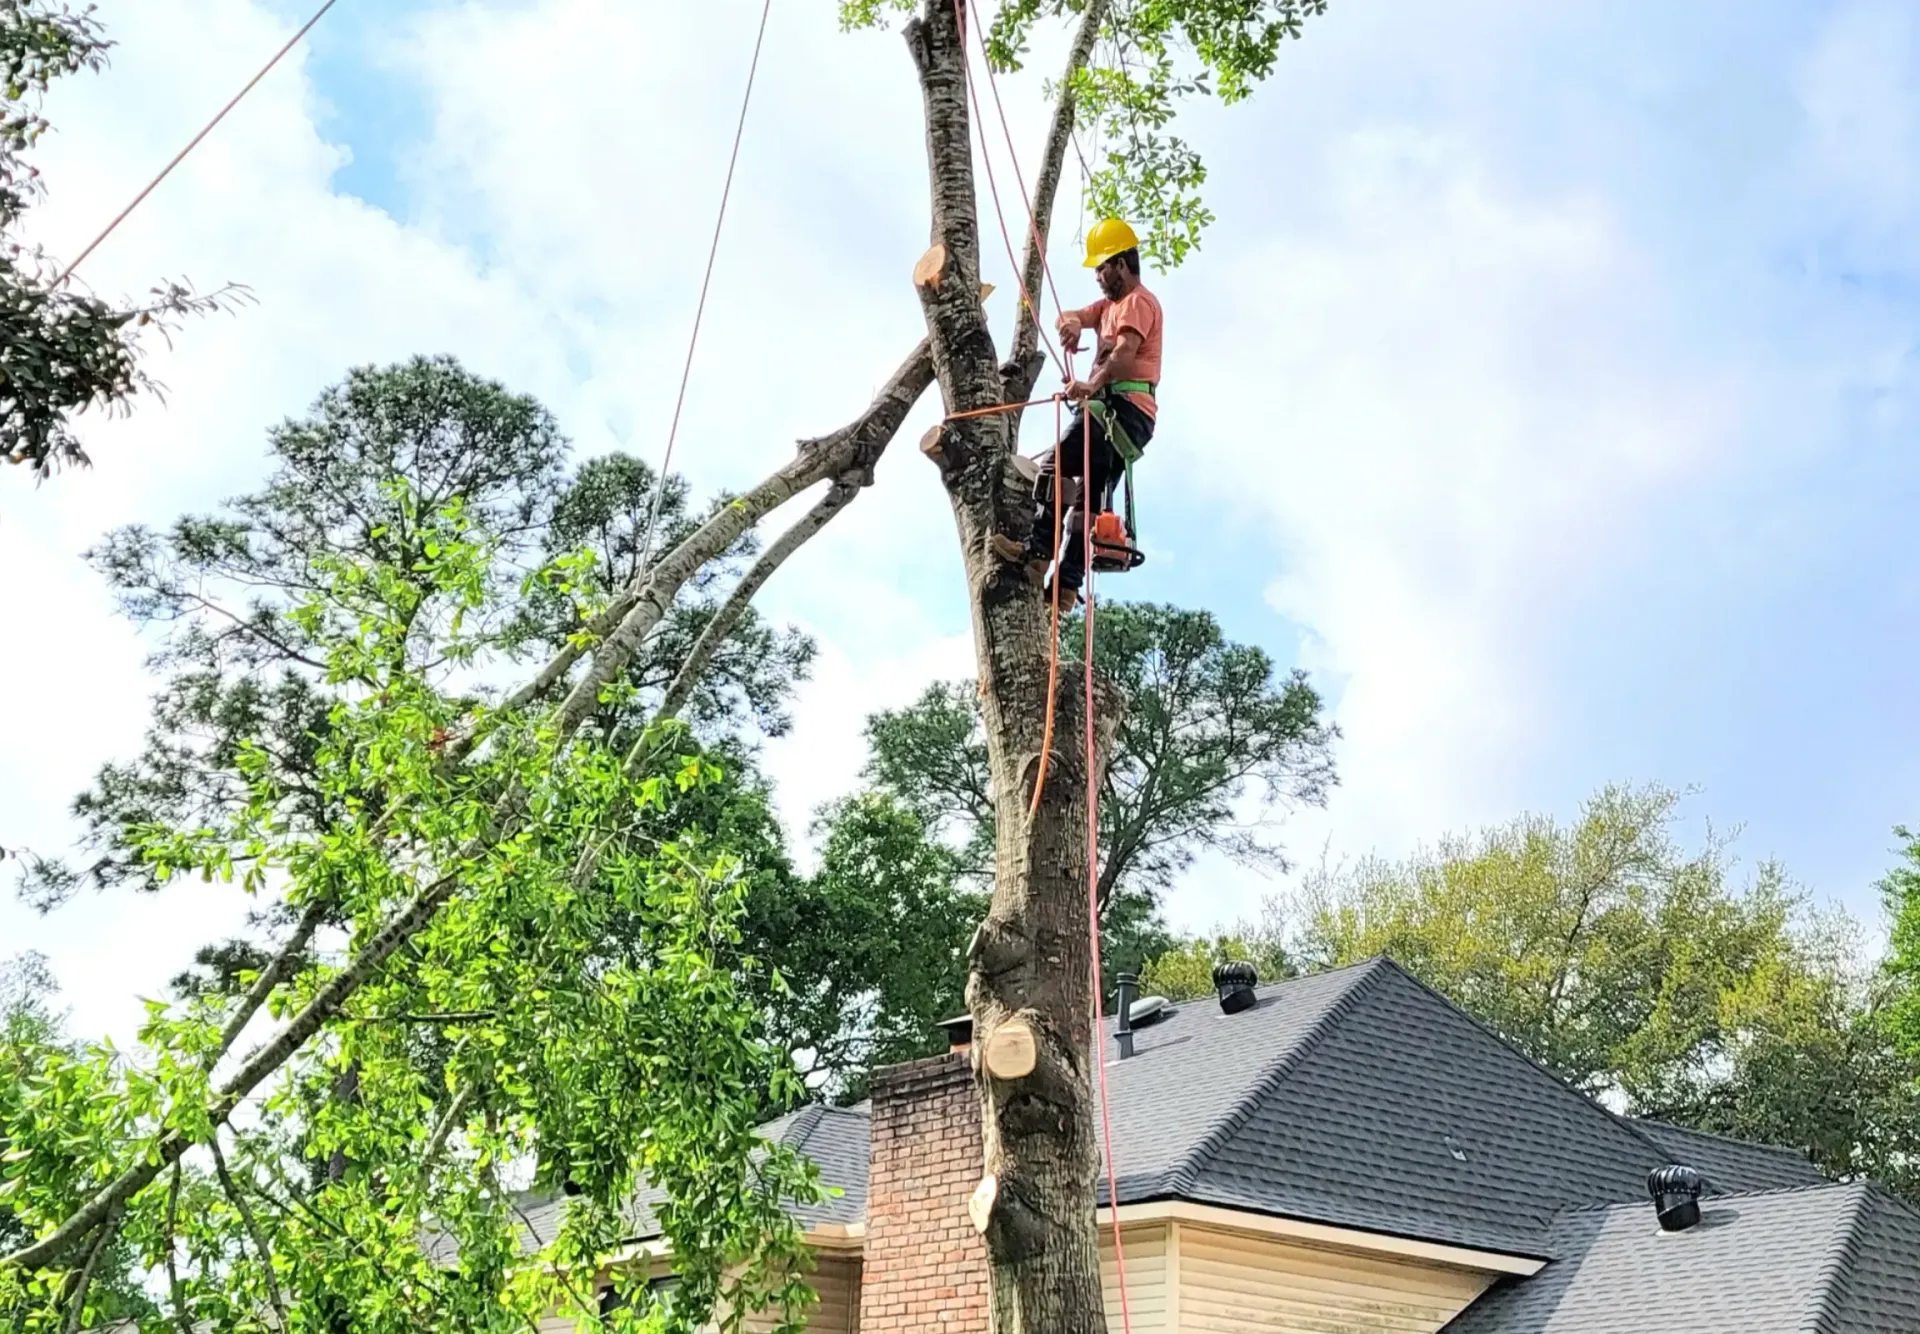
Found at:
(1030, 961)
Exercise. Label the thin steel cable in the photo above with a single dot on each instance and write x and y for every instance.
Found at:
(195, 143)
(700, 310)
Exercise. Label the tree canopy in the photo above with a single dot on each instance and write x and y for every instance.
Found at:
(360, 478)
(370, 1184)
(1647, 973)
(1214, 748)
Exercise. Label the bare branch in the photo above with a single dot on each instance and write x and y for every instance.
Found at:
(839, 495)
(252, 1225)
(270, 977)
(175, 1297)
(77, 1300)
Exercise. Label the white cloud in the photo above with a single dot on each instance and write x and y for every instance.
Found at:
(338, 283)
(1464, 401)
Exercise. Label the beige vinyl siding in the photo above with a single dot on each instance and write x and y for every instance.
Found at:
(834, 1278)
(1235, 1283)
(1147, 1271)
(837, 1281)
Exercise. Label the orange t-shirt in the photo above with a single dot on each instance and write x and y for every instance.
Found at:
(1138, 310)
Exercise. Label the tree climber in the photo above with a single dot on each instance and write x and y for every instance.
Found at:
(1117, 396)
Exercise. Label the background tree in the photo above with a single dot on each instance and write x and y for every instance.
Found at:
(65, 349)
(1212, 750)
(1642, 972)
(359, 478)
(509, 1034)
(1184, 969)
(872, 947)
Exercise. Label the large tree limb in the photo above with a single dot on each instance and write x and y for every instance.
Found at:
(839, 495)
(1025, 364)
(857, 445)
(326, 1002)
(270, 977)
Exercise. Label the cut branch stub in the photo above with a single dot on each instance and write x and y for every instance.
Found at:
(980, 1204)
(934, 443)
(932, 267)
(1012, 1051)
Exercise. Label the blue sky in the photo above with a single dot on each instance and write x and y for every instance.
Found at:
(1546, 387)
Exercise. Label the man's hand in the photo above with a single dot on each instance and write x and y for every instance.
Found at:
(1069, 328)
(1080, 391)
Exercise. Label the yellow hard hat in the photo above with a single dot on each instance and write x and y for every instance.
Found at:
(1109, 237)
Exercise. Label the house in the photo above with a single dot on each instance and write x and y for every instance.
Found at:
(1351, 1152)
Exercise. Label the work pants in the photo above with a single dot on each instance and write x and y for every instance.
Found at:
(1071, 456)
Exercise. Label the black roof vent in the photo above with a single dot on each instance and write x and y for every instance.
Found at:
(1235, 983)
(1676, 1194)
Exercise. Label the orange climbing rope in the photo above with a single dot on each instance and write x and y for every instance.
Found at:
(1000, 213)
(1053, 665)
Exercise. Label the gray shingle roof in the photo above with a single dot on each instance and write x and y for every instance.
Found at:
(1362, 1098)
(834, 1138)
(1747, 1167)
(1832, 1259)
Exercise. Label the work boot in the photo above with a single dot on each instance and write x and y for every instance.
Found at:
(1015, 552)
(1069, 598)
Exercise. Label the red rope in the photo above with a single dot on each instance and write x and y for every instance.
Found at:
(1093, 866)
(1033, 223)
(993, 185)
(1086, 515)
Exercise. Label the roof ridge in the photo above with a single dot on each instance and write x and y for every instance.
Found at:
(1838, 1265)
(1734, 1197)
(1186, 1172)
(1785, 1150)
(805, 1123)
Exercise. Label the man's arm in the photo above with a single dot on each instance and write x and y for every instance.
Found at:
(1073, 322)
(1116, 365)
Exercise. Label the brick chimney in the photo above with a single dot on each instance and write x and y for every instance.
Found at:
(925, 1267)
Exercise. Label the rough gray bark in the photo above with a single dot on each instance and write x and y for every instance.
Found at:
(1030, 960)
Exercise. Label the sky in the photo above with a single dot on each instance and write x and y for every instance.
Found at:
(1545, 388)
